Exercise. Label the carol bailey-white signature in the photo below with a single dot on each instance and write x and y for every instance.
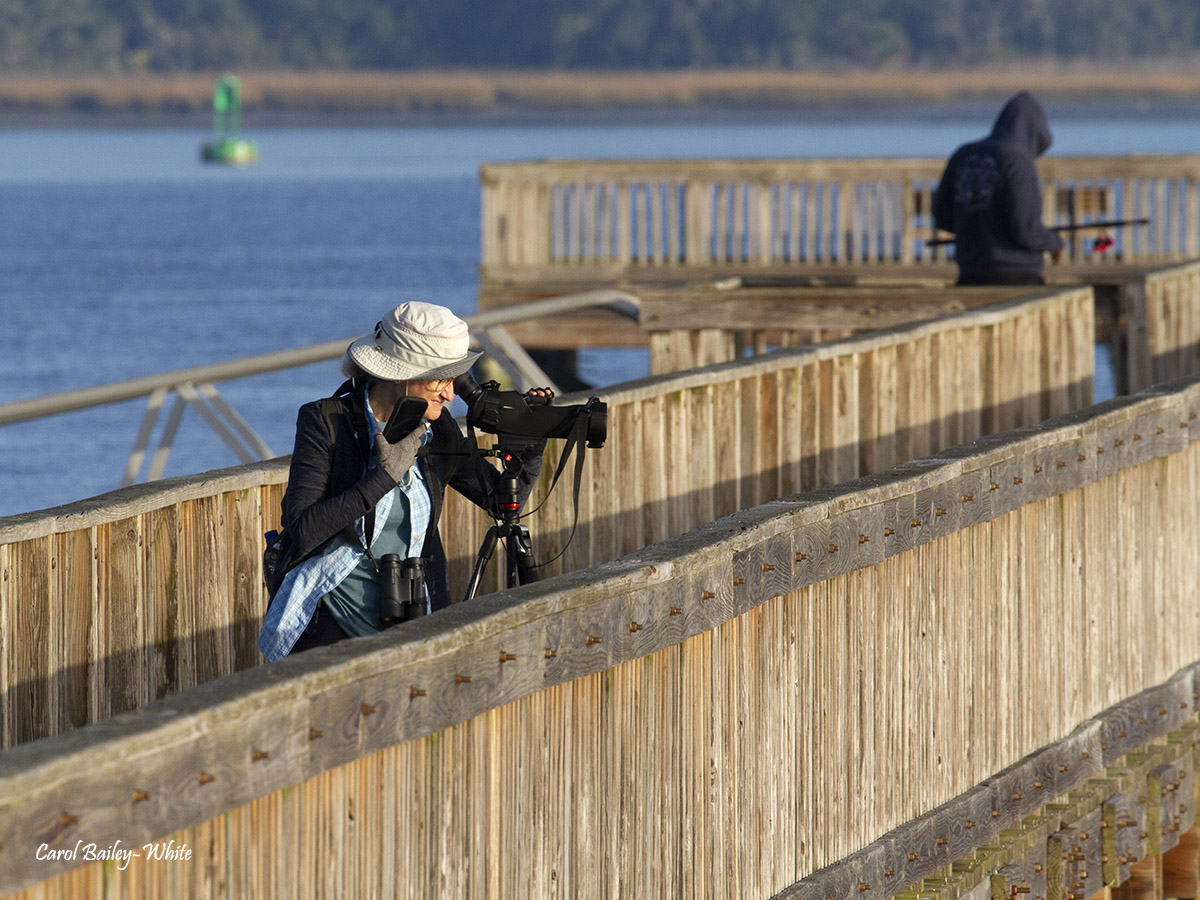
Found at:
(90, 852)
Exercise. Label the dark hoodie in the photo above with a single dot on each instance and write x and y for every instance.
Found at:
(989, 196)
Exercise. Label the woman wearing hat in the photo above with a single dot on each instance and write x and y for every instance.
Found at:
(346, 478)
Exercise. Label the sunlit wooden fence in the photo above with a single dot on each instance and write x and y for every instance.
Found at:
(541, 219)
(688, 326)
(721, 714)
(112, 603)
(1164, 324)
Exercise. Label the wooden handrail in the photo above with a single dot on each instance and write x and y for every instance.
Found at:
(621, 217)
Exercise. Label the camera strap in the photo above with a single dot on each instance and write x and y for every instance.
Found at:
(576, 440)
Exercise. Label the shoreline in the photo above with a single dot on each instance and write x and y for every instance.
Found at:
(424, 98)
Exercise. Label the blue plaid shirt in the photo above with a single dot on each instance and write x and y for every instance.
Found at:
(302, 588)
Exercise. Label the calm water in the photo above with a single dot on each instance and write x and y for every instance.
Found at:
(124, 256)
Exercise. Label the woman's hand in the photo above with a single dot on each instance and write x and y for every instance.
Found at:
(396, 459)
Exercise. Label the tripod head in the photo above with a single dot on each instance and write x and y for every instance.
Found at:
(512, 467)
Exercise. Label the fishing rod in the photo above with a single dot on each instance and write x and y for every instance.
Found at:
(1105, 223)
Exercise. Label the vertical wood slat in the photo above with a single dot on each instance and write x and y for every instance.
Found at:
(810, 221)
(737, 221)
(844, 253)
(673, 248)
(768, 234)
(658, 252)
(697, 221)
(245, 523)
(29, 714)
(624, 224)
(75, 625)
(170, 651)
(579, 226)
(121, 548)
(641, 241)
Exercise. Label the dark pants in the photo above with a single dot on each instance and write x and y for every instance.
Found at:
(322, 630)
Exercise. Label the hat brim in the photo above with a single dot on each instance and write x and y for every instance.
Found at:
(364, 354)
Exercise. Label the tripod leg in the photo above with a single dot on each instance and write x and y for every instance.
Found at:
(521, 563)
(486, 549)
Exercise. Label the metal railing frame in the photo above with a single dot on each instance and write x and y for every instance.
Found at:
(196, 387)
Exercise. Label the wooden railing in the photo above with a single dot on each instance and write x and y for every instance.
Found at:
(541, 219)
(721, 714)
(684, 449)
(115, 602)
(688, 326)
(111, 603)
(1164, 324)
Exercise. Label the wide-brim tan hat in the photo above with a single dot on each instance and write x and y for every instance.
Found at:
(415, 342)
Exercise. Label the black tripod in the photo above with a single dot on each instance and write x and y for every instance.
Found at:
(518, 545)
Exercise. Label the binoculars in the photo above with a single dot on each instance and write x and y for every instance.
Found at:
(402, 594)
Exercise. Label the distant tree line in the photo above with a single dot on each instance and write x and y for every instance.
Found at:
(87, 36)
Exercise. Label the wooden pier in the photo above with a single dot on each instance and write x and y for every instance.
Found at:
(609, 219)
(895, 615)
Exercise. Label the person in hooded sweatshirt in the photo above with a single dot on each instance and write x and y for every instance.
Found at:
(990, 197)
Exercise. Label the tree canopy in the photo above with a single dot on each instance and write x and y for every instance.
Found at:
(88, 36)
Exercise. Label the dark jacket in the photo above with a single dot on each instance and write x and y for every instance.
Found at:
(330, 486)
(989, 196)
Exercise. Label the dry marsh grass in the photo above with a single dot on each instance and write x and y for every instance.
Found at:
(462, 91)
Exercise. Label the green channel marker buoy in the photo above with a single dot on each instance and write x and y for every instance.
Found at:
(227, 145)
